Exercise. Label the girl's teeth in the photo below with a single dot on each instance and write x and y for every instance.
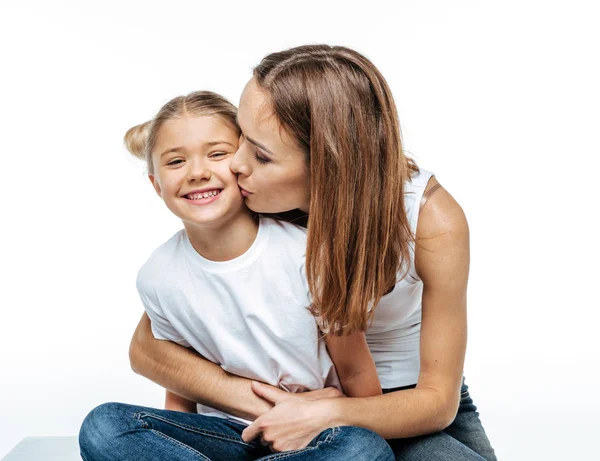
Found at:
(204, 195)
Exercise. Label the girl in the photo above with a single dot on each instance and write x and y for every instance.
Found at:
(386, 244)
(231, 287)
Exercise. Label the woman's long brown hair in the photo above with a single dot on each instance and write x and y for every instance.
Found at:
(338, 107)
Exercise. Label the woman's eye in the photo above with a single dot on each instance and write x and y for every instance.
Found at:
(260, 159)
(218, 154)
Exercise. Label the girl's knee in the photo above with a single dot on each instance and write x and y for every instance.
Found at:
(103, 424)
(361, 444)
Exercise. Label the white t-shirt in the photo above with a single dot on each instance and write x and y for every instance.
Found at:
(249, 315)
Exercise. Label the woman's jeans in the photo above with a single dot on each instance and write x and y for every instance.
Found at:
(121, 432)
(465, 439)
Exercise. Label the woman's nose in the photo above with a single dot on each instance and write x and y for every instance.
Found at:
(239, 164)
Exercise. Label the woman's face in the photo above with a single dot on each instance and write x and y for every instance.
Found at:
(272, 170)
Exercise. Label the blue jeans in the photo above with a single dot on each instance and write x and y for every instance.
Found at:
(121, 432)
(464, 440)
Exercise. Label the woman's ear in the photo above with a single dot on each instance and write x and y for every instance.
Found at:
(155, 184)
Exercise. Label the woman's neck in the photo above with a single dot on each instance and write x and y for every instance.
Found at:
(224, 241)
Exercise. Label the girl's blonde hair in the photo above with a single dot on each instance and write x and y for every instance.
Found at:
(140, 140)
(338, 107)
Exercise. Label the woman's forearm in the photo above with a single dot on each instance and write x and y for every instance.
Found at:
(186, 373)
(407, 413)
(176, 402)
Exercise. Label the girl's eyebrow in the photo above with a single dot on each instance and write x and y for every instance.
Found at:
(210, 143)
(214, 143)
(171, 149)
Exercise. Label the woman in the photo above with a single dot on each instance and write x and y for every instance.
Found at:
(388, 251)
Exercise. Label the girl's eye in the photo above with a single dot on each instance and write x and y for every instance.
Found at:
(259, 159)
(218, 154)
(176, 161)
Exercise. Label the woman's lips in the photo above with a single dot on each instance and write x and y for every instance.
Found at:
(244, 192)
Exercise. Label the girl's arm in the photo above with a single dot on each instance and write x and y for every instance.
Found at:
(175, 402)
(354, 364)
(186, 373)
(442, 262)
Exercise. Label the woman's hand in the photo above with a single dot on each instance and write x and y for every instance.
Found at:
(294, 421)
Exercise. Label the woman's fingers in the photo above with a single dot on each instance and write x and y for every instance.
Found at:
(252, 431)
(269, 393)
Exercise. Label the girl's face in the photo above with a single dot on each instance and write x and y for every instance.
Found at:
(192, 173)
(272, 170)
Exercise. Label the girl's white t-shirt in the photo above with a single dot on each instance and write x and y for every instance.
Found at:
(249, 315)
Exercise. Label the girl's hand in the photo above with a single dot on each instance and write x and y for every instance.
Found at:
(294, 421)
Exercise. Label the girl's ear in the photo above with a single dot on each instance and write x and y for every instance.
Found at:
(155, 184)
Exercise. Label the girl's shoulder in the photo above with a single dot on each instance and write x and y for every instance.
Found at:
(284, 229)
(163, 258)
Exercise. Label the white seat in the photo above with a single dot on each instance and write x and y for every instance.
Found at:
(45, 449)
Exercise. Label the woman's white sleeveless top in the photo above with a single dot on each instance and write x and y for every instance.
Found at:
(393, 336)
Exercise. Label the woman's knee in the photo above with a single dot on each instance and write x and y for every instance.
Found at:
(433, 447)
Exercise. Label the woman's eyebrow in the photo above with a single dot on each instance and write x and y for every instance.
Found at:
(256, 143)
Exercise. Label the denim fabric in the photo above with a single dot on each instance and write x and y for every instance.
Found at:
(464, 440)
(121, 432)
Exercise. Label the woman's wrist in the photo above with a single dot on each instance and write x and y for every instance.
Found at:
(331, 412)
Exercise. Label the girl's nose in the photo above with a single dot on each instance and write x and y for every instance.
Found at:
(198, 171)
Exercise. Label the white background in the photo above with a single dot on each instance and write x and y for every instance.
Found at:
(500, 99)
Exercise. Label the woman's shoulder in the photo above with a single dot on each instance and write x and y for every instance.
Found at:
(439, 212)
(442, 235)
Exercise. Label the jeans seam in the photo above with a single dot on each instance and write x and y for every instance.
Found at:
(196, 430)
(330, 436)
(182, 445)
(288, 454)
(334, 431)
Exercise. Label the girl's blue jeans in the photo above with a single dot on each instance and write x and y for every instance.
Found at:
(121, 432)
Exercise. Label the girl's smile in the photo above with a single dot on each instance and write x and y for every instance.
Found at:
(203, 196)
(191, 170)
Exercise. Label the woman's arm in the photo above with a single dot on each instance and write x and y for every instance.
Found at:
(354, 364)
(442, 261)
(176, 402)
(186, 373)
